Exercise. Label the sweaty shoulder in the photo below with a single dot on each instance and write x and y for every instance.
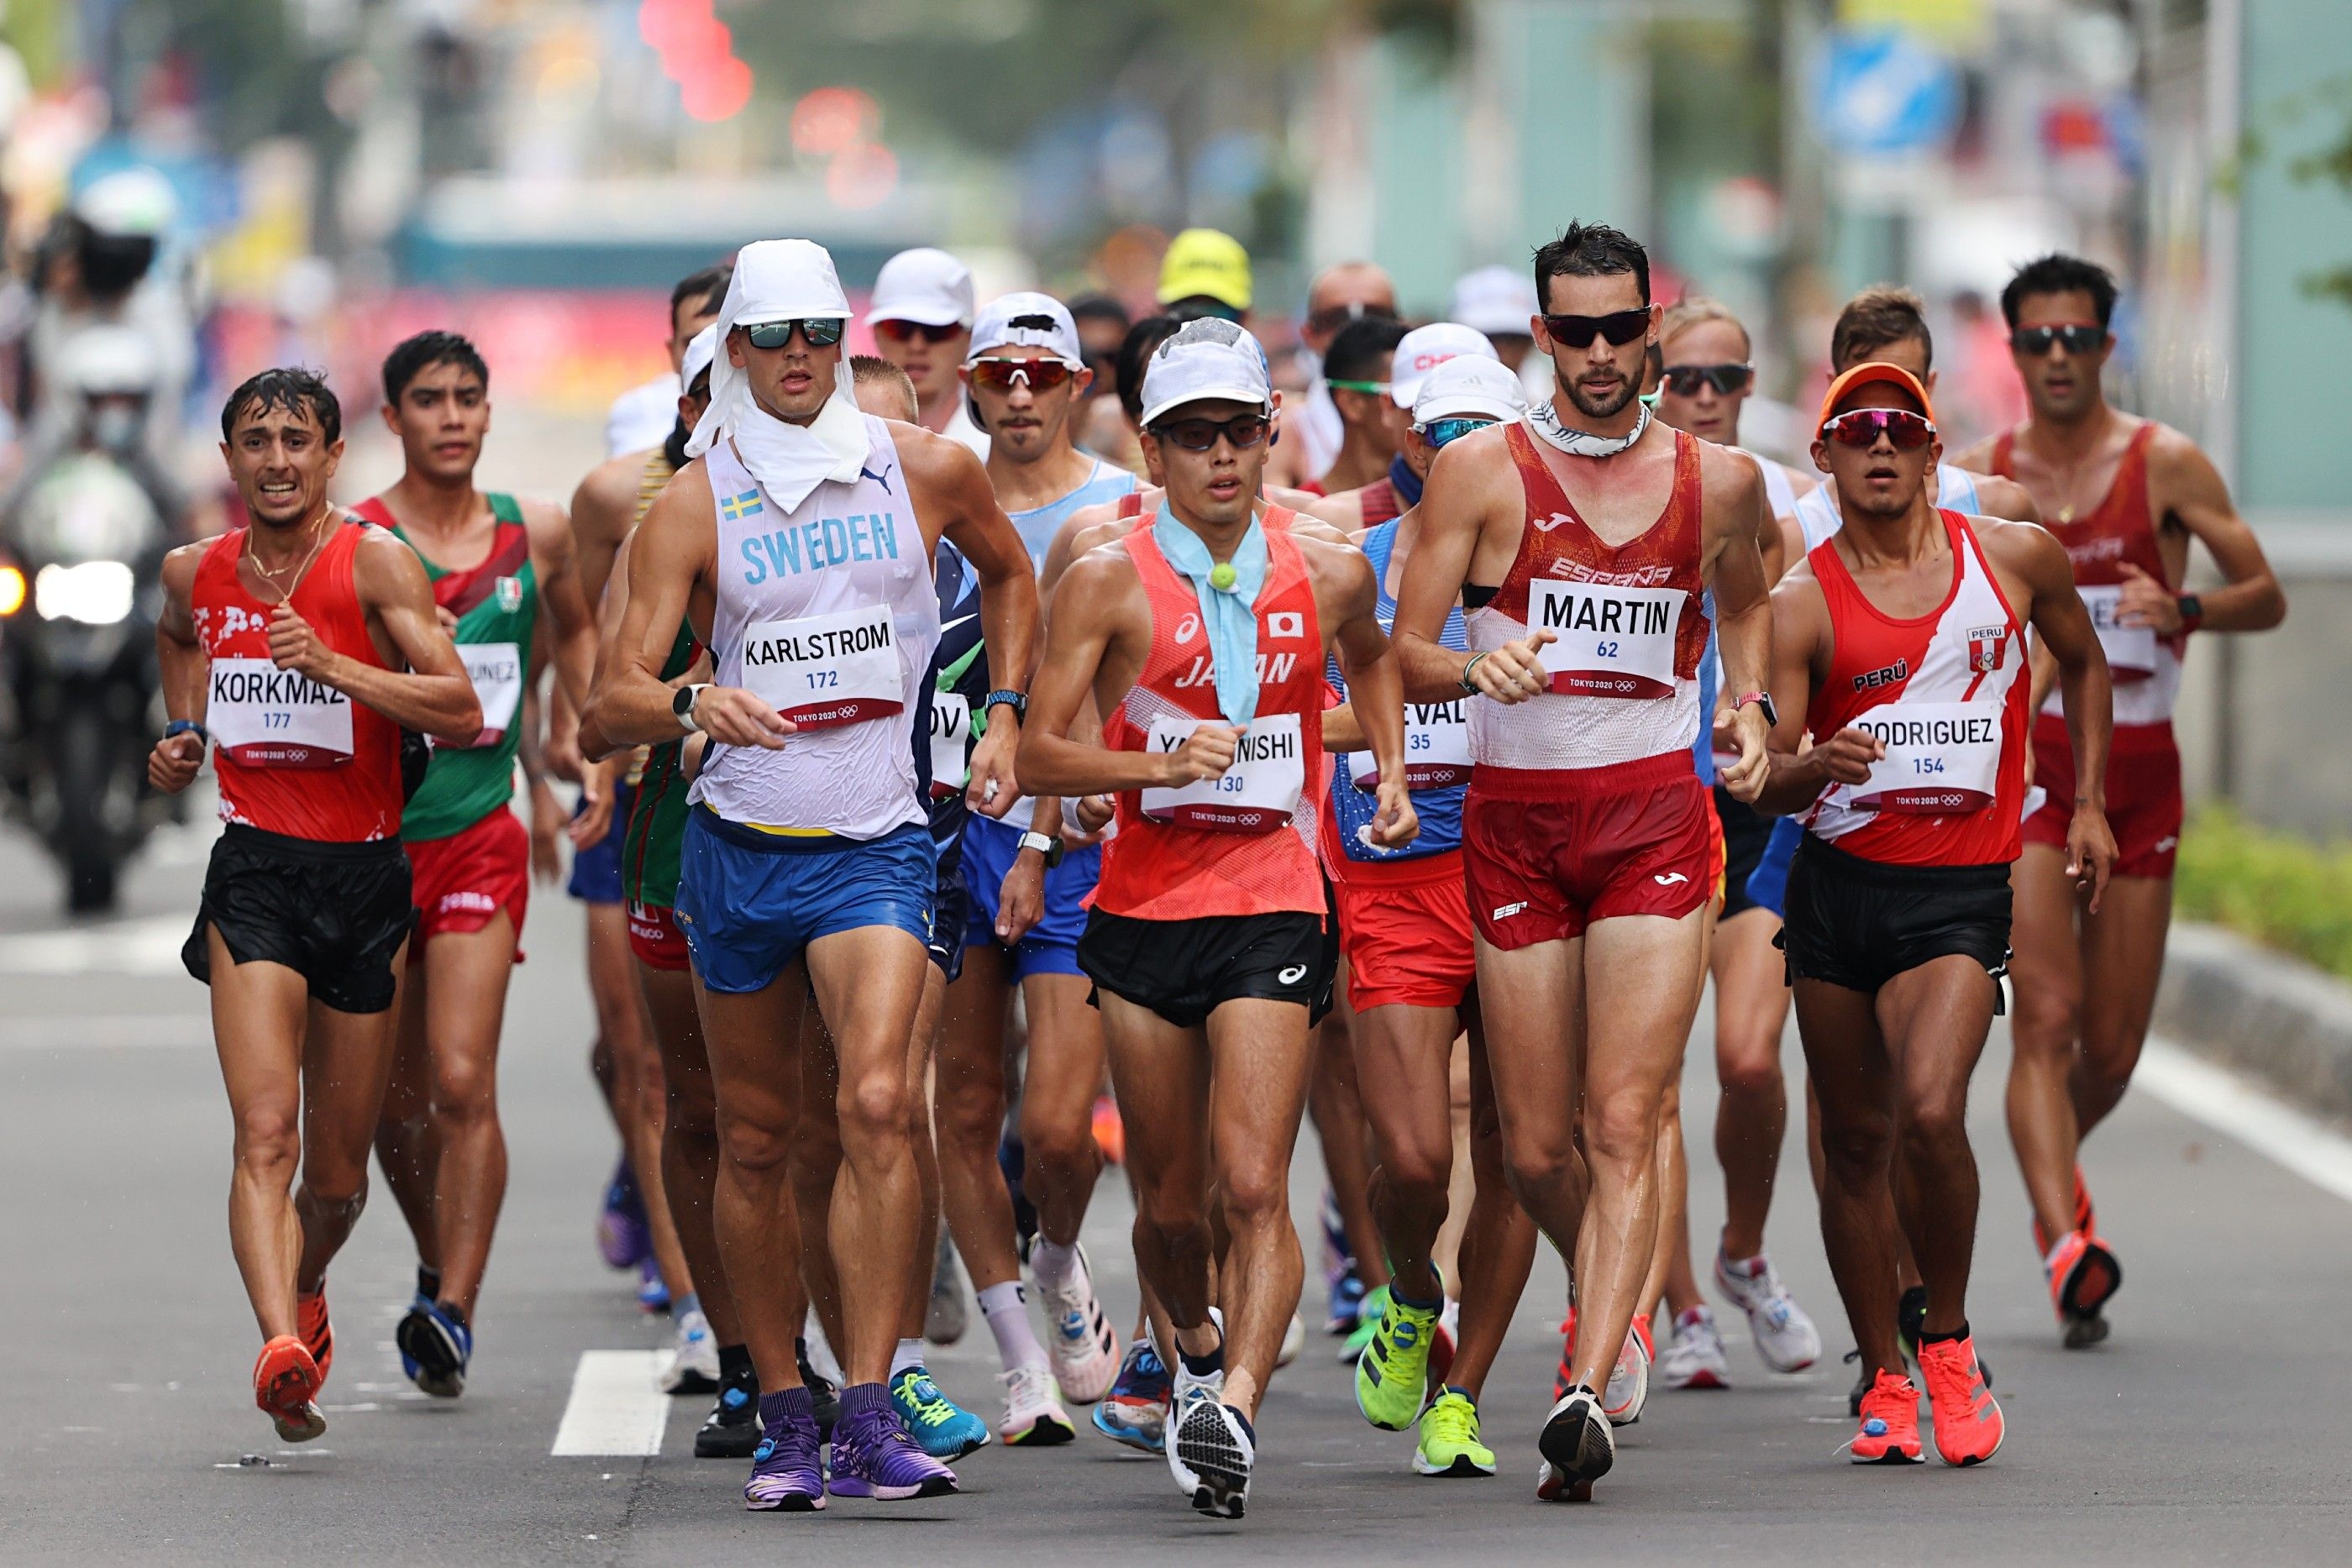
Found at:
(1101, 574)
(2171, 454)
(1479, 465)
(549, 528)
(1342, 573)
(2006, 498)
(2029, 550)
(1305, 525)
(383, 567)
(602, 502)
(1976, 459)
(934, 462)
(1729, 478)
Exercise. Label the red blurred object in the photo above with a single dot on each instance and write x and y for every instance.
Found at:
(2074, 127)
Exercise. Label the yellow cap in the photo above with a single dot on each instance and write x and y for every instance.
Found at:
(1205, 262)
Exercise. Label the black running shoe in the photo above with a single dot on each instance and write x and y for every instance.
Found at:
(731, 1430)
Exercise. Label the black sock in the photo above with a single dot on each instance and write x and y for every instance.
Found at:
(428, 1282)
(1207, 1365)
(735, 1368)
(453, 1312)
(1928, 1336)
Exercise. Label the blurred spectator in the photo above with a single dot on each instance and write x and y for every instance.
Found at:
(1350, 291)
(1205, 272)
(1356, 372)
(921, 313)
(1992, 398)
(1500, 302)
(1102, 327)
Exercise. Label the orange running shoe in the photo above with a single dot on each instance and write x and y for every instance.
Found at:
(1563, 1376)
(1967, 1423)
(1110, 1131)
(2086, 1219)
(1890, 1424)
(2082, 1274)
(286, 1388)
(317, 1334)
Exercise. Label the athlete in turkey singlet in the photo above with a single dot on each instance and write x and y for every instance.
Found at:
(1202, 637)
(1899, 644)
(800, 544)
(2126, 497)
(303, 644)
(1581, 545)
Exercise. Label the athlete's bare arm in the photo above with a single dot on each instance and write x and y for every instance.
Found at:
(1732, 517)
(1344, 510)
(2187, 492)
(1071, 541)
(673, 569)
(1471, 515)
(954, 498)
(1802, 642)
(172, 767)
(433, 695)
(601, 509)
(1347, 598)
(2034, 561)
(555, 560)
(2000, 497)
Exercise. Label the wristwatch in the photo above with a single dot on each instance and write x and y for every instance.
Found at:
(1764, 701)
(187, 726)
(1018, 701)
(2192, 611)
(682, 704)
(1046, 844)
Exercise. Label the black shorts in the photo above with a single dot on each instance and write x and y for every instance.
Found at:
(1746, 831)
(1185, 969)
(1857, 924)
(335, 913)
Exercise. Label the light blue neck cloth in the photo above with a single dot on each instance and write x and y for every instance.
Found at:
(1228, 615)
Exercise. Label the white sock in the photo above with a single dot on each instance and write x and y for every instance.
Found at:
(1006, 1307)
(908, 1354)
(1053, 1263)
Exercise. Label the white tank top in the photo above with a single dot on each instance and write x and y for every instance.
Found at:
(1778, 492)
(1817, 514)
(828, 611)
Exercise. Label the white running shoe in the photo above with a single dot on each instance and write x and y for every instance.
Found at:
(1183, 1390)
(1629, 1381)
(1033, 1418)
(1213, 1448)
(694, 1368)
(1577, 1446)
(1078, 1339)
(1785, 1337)
(1694, 1357)
(1294, 1340)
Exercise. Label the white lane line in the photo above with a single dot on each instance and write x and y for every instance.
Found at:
(2229, 1104)
(617, 1405)
(178, 1032)
(148, 947)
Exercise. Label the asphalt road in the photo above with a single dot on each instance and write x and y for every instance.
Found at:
(2213, 1426)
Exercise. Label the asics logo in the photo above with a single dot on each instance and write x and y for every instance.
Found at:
(1669, 879)
(1187, 628)
(1293, 975)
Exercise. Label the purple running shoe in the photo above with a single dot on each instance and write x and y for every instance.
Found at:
(874, 1454)
(622, 1235)
(785, 1476)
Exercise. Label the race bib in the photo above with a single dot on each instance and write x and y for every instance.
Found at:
(1942, 758)
(1259, 793)
(1611, 642)
(824, 670)
(263, 717)
(1436, 749)
(2130, 650)
(495, 670)
(951, 744)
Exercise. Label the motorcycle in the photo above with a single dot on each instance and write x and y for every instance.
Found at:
(81, 590)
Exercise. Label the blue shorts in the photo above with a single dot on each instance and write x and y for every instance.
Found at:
(989, 848)
(749, 902)
(596, 869)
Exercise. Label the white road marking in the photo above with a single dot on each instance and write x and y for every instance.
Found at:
(178, 1032)
(2229, 1104)
(616, 1406)
(146, 947)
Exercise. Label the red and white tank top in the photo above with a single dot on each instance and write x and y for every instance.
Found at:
(2119, 530)
(1242, 843)
(1946, 691)
(1624, 671)
(294, 757)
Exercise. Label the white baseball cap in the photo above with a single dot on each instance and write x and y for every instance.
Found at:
(1494, 299)
(1473, 385)
(1424, 348)
(783, 280)
(924, 286)
(135, 203)
(701, 351)
(1205, 360)
(1026, 320)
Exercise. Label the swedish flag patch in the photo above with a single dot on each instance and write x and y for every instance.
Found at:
(735, 508)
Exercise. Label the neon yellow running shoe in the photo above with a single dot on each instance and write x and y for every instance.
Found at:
(1392, 1374)
(1368, 1322)
(1450, 1448)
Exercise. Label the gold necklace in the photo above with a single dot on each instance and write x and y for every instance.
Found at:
(270, 575)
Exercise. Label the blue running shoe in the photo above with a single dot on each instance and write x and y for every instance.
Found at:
(623, 1236)
(653, 1290)
(785, 1477)
(1135, 1411)
(419, 1303)
(944, 1428)
(1347, 1308)
(437, 1342)
(874, 1455)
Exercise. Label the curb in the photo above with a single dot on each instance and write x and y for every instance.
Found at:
(2243, 1005)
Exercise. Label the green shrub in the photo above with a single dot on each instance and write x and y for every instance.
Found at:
(2282, 889)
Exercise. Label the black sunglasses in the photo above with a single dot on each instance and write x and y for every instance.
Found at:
(1729, 380)
(2079, 337)
(1243, 430)
(821, 332)
(1619, 326)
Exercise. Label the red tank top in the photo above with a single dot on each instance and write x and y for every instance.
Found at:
(294, 757)
(1130, 505)
(1159, 868)
(1946, 691)
(1380, 502)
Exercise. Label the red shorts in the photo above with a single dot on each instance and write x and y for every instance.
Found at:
(459, 884)
(655, 938)
(1547, 852)
(2143, 807)
(1405, 929)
